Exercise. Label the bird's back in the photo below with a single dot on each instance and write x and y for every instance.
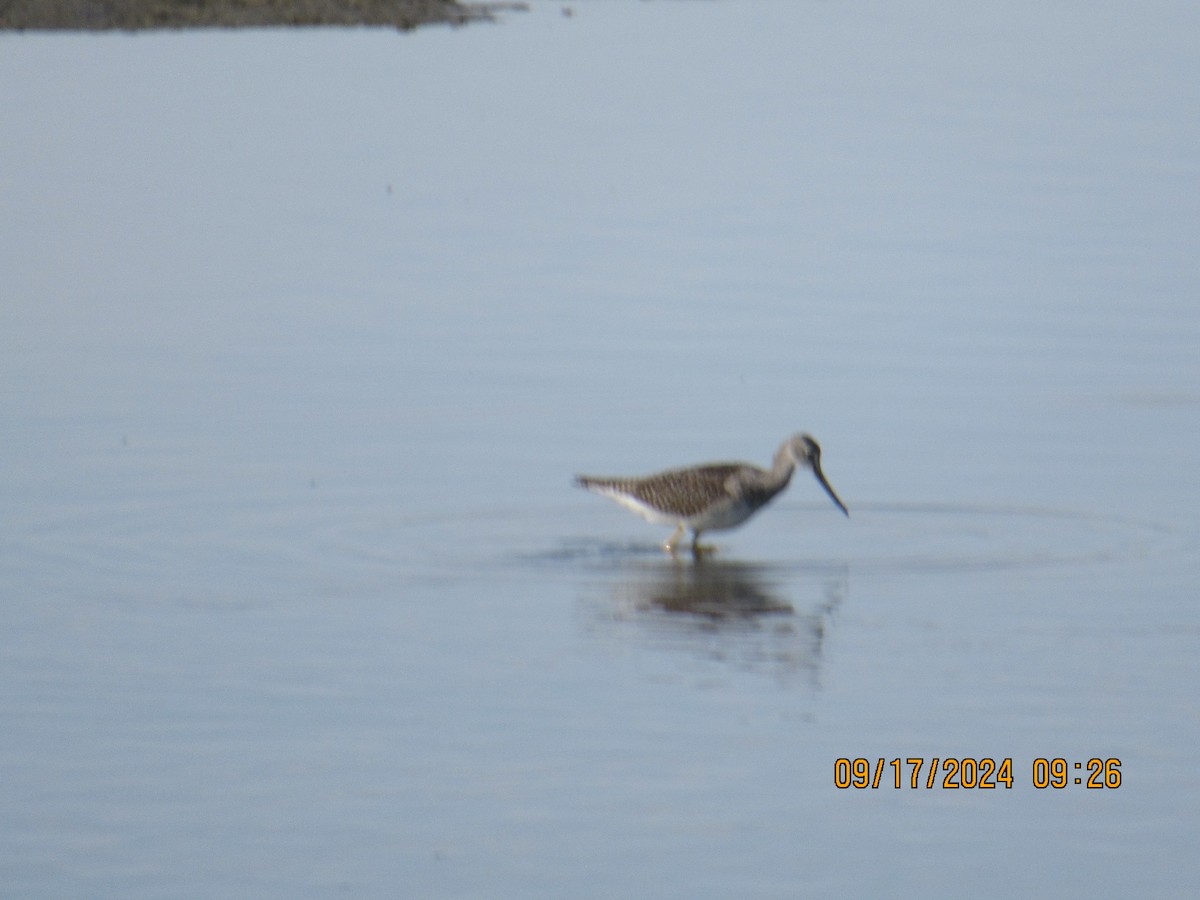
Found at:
(678, 492)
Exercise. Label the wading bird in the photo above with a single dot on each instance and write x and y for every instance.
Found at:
(714, 496)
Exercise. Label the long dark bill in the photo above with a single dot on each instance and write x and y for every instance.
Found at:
(829, 490)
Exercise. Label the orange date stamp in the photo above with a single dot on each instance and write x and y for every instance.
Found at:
(973, 773)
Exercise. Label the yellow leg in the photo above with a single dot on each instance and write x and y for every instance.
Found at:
(670, 544)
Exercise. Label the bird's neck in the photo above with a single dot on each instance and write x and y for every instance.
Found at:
(781, 471)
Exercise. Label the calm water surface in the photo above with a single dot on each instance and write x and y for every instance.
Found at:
(303, 335)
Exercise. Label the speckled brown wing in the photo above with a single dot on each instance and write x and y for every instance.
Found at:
(681, 492)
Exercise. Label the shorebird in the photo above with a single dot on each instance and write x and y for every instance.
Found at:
(713, 496)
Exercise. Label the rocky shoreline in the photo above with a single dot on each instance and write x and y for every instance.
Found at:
(136, 15)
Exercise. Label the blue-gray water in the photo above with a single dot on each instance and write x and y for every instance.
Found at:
(304, 333)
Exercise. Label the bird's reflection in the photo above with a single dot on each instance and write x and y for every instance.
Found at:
(752, 617)
(707, 587)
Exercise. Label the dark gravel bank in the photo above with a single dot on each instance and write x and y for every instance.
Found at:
(132, 15)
